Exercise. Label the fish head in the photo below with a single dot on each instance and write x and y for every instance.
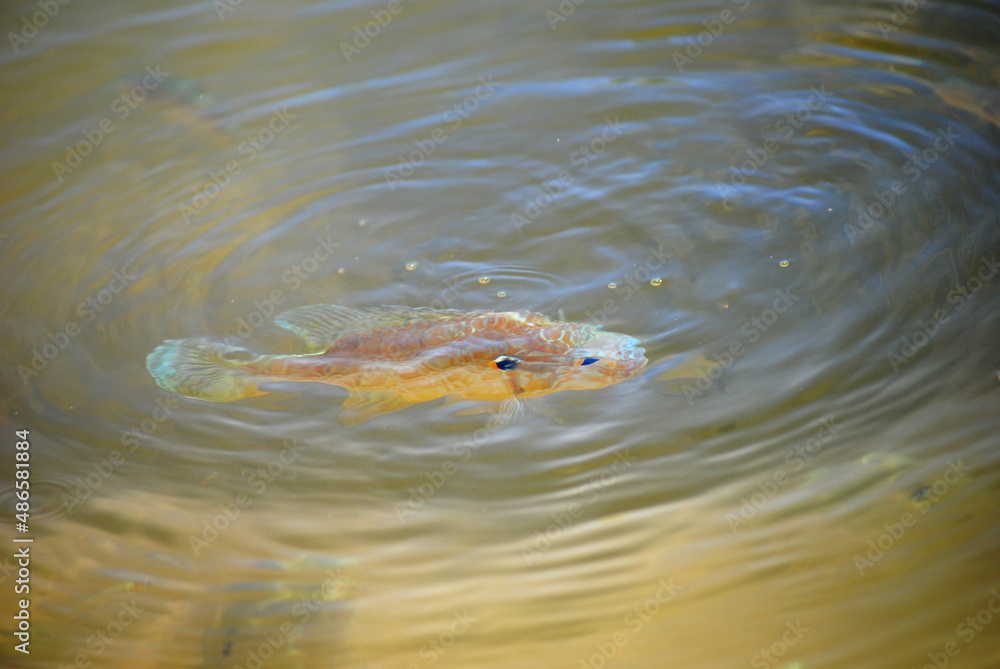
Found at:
(583, 360)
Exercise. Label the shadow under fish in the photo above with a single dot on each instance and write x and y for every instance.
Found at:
(391, 357)
(294, 622)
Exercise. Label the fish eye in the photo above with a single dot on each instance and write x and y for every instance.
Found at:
(588, 361)
(505, 362)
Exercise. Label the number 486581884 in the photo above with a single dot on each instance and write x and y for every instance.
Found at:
(22, 457)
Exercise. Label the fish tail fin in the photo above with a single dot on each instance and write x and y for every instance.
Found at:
(204, 369)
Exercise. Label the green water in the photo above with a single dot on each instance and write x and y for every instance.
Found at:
(793, 205)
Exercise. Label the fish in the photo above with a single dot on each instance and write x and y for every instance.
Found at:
(392, 357)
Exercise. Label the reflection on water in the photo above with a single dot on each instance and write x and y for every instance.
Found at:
(793, 205)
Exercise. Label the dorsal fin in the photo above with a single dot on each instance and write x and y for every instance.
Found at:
(320, 325)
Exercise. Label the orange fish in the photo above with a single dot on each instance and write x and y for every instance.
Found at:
(392, 357)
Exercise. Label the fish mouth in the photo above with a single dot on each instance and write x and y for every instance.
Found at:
(631, 364)
(623, 363)
(628, 366)
(619, 364)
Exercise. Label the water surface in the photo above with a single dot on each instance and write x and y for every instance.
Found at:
(796, 204)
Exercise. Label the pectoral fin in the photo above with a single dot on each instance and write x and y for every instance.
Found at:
(363, 405)
(500, 415)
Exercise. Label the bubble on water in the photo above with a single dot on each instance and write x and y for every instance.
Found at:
(783, 263)
(502, 294)
(655, 281)
(40, 509)
(410, 266)
(484, 280)
(612, 285)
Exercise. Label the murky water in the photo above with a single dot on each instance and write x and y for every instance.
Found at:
(794, 205)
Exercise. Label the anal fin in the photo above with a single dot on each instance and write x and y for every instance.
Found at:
(364, 405)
